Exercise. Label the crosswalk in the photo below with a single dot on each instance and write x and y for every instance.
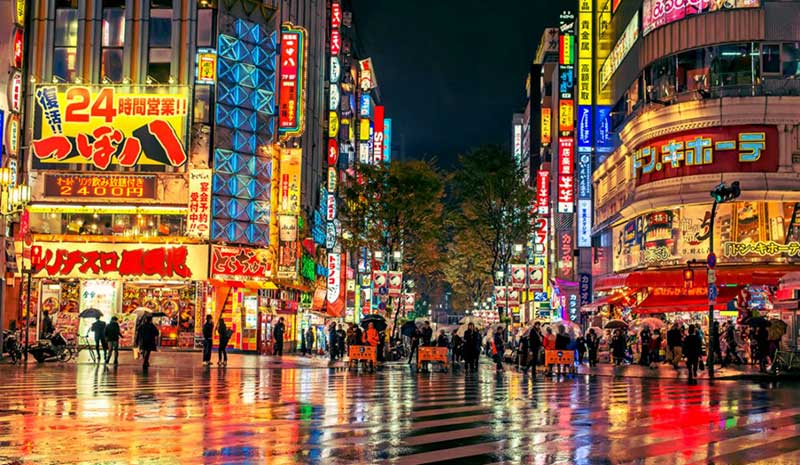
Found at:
(185, 415)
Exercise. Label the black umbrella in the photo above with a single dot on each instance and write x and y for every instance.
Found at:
(758, 322)
(91, 313)
(408, 328)
(158, 314)
(378, 321)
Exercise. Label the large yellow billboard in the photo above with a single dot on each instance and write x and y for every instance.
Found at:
(110, 125)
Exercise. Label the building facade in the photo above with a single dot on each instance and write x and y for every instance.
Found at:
(698, 97)
(174, 150)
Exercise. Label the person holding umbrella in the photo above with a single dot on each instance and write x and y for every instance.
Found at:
(113, 333)
(371, 338)
(472, 348)
(99, 330)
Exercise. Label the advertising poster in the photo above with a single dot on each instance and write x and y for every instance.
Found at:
(291, 161)
(291, 80)
(335, 298)
(395, 282)
(107, 125)
(198, 218)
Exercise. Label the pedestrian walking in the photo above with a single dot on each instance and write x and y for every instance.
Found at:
(113, 334)
(332, 342)
(674, 345)
(619, 345)
(472, 348)
(310, 339)
(762, 344)
(208, 339)
(457, 343)
(442, 341)
(644, 338)
(224, 336)
(715, 344)
(148, 339)
(427, 334)
(498, 348)
(592, 344)
(655, 348)
(416, 335)
(47, 326)
(277, 336)
(692, 350)
(340, 341)
(534, 347)
(371, 338)
(731, 352)
(580, 343)
(99, 330)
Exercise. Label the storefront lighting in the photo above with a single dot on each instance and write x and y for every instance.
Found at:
(112, 209)
(5, 176)
(78, 80)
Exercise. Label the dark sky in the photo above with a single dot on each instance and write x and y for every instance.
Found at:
(451, 73)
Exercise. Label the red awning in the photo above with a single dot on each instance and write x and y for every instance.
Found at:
(690, 300)
(610, 299)
(613, 281)
(673, 278)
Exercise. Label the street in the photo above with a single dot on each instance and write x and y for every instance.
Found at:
(259, 410)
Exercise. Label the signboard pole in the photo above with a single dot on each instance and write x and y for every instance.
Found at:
(711, 335)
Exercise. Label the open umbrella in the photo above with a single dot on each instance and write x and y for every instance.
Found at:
(757, 322)
(141, 311)
(777, 328)
(159, 314)
(471, 319)
(652, 323)
(91, 313)
(378, 321)
(616, 324)
(408, 328)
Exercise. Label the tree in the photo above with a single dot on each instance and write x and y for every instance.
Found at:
(467, 269)
(491, 200)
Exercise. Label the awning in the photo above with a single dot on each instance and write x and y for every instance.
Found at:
(673, 278)
(610, 299)
(690, 300)
(607, 283)
(790, 280)
(243, 284)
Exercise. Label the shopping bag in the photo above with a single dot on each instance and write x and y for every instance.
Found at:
(136, 353)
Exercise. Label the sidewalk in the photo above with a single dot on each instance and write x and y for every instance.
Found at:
(743, 372)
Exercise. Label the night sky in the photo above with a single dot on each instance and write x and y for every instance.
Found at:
(451, 72)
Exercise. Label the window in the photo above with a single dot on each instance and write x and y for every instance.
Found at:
(692, 71)
(770, 58)
(790, 58)
(202, 104)
(159, 63)
(732, 65)
(65, 43)
(205, 28)
(113, 40)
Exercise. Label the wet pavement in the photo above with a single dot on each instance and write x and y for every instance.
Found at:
(260, 410)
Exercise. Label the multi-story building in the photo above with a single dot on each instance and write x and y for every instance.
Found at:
(173, 149)
(702, 95)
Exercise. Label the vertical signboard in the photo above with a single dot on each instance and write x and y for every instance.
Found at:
(585, 41)
(377, 136)
(198, 217)
(387, 140)
(543, 192)
(566, 175)
(546, 124)
(291, 81)
(291, 159)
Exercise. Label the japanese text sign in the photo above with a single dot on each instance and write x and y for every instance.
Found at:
(81, 186)
(705, 151)
(543, 192)
(335, 298)
(546, 123)
(290, 168)
(566, 115)
(114, 261)
(198, 217)
(105, 125)
(291, 87)
(240, 263)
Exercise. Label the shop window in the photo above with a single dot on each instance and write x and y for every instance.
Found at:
(101, 224)
(661, 85)
(692, 71)
(202, 104)
(790, 58)
(205, 27)
(113, 39)
(65, 41)
(732, 65)
(160, 65)
(770, 58)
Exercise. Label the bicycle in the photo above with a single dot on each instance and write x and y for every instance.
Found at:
(86, 344)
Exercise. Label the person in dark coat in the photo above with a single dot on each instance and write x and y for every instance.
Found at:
(332, 341)
(645, 337)
(692, 350)
(592, 344)
(562, 340)
(47, 326)
(762, 343)
(427, 334)
(99, 330)
(498, 348)
(309, 341)
(208, 339)
(618, 347)
(715, 344)
(224, 337)
(415, 338)
(535, 342)
(113, 333)
(277, 335)
(442, 341)
(674, 345)
(471, 348)
(148, 337)
(341, 336)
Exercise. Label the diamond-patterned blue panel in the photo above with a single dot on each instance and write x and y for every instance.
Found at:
(249, 75)
(221, 185)
(262, 101)
(258, 234)
(261, 211)
(263, 166)
(244, 141)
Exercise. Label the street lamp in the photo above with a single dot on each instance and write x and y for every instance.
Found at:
(721, 193)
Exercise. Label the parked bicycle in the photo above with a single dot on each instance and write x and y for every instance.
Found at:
(11, 346)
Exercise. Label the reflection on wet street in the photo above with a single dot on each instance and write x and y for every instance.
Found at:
(69, 413)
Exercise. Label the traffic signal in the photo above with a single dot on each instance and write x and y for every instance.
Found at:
(724, 193)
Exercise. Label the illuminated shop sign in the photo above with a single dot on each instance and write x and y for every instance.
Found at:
(240, 263)
(543, 192)
(364, 106)
(657, 13)
(333, 124)
(747, 232)
(198, 216)
(584, 223)
(335, 297)
(602, 130)
(206, 66)
(546, 124)
(290, 169)
(566, 49)
(387, 140)
(106, 125)
(12, 135)
(14, 91)
(377, 139)
(366, 75)
(566, 115)
(88, 186)
(566, 175)
(336, 70)
(114, 261)
(585, 40)
(17, 52)
(585, 141)
(620, 50)
(566, 82)
(705, 151)
(291, 80)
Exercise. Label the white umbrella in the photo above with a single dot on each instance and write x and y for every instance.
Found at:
(141, 311)
(471, 319)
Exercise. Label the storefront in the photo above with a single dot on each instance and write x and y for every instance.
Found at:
(123, 280)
